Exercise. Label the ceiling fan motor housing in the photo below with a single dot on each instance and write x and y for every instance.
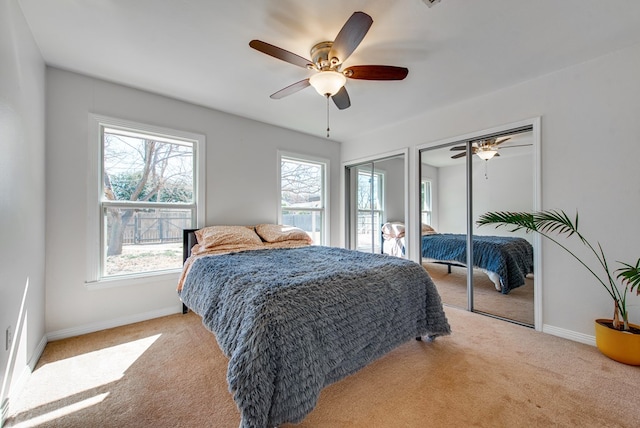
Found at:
(320, 56)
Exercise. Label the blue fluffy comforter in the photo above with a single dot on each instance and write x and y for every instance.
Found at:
(510, 257)
(292, 321)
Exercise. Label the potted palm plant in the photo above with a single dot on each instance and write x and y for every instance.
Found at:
(616, 337)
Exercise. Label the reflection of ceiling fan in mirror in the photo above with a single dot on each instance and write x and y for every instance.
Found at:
(327, 59)
(485, 149)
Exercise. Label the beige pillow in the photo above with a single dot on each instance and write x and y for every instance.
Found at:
(226, 236)
(291, 243)
(279, 233)
(428, 230)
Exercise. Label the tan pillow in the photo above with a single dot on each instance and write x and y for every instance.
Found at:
(428, 230)
(278, 233)
(226, 236)
(227, 248)
(292, 243)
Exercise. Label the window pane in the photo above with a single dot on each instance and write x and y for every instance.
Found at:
(144, 169)
(143, 240)
(309, 221)
(301, 184)
(426, 217)
(369, 238)
(301, 188)
(367, 200)
(377, 191)
(364, 190)
(426, 196)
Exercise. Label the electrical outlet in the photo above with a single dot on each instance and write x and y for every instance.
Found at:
(8, 336)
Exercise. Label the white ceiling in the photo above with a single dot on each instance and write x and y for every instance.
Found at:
(198, 50)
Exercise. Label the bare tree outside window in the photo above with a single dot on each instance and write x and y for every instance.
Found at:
(147, 192)
(369, 198)
(301, 183)
(302, 196)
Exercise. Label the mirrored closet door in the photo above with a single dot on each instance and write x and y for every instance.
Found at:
(459, 182)
(375, 202)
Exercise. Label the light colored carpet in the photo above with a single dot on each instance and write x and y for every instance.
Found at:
(169, 372)
(517, 305)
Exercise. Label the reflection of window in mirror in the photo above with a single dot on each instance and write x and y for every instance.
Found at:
(370, 198)
(425, 199)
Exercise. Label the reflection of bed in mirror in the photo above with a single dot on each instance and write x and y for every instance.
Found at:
(506, 260)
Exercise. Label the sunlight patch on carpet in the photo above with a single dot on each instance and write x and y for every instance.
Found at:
(66, 410)
(73, 376)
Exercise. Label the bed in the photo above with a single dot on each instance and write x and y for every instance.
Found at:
(506, 260)
(293, 318)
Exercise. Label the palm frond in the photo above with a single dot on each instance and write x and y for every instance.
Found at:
(519, 220)
(552, 223)
(630, 274)
(556, 222)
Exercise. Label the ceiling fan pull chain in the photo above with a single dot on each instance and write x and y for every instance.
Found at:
(327, 96)
(486, 177)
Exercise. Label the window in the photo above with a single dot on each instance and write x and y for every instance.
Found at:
(303, 196)
(148, 192)
(370, 209)
(425, 201)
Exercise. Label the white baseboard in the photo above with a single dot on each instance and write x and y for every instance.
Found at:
(37, 353)
(103, 325)
(20, 383)
(569, 334)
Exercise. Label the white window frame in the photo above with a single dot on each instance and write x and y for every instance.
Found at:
(95, 201)
(325, 190)
(423, 211)
(380, 177)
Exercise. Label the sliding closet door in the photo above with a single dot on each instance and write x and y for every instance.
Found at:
(457, 186)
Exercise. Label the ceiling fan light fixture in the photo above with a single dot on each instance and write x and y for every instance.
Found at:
(327, 83)
(486, 154)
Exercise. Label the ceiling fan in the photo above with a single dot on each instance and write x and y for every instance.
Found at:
(327, 59)
(485, 149)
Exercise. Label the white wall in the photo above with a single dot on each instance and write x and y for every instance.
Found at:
(590, 147)
(507, 186)
(241, 188)
(451, 204)
(22, 196)
(394, 192)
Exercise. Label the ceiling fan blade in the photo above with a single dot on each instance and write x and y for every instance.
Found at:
(459, 155)
(515, 145)
(341, 99)
(501, 141)
(458, 148)
(280, 53)
(376, 72)
(291, 89)
(350, 36)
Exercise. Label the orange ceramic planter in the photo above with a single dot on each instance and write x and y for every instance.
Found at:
(620, 346)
